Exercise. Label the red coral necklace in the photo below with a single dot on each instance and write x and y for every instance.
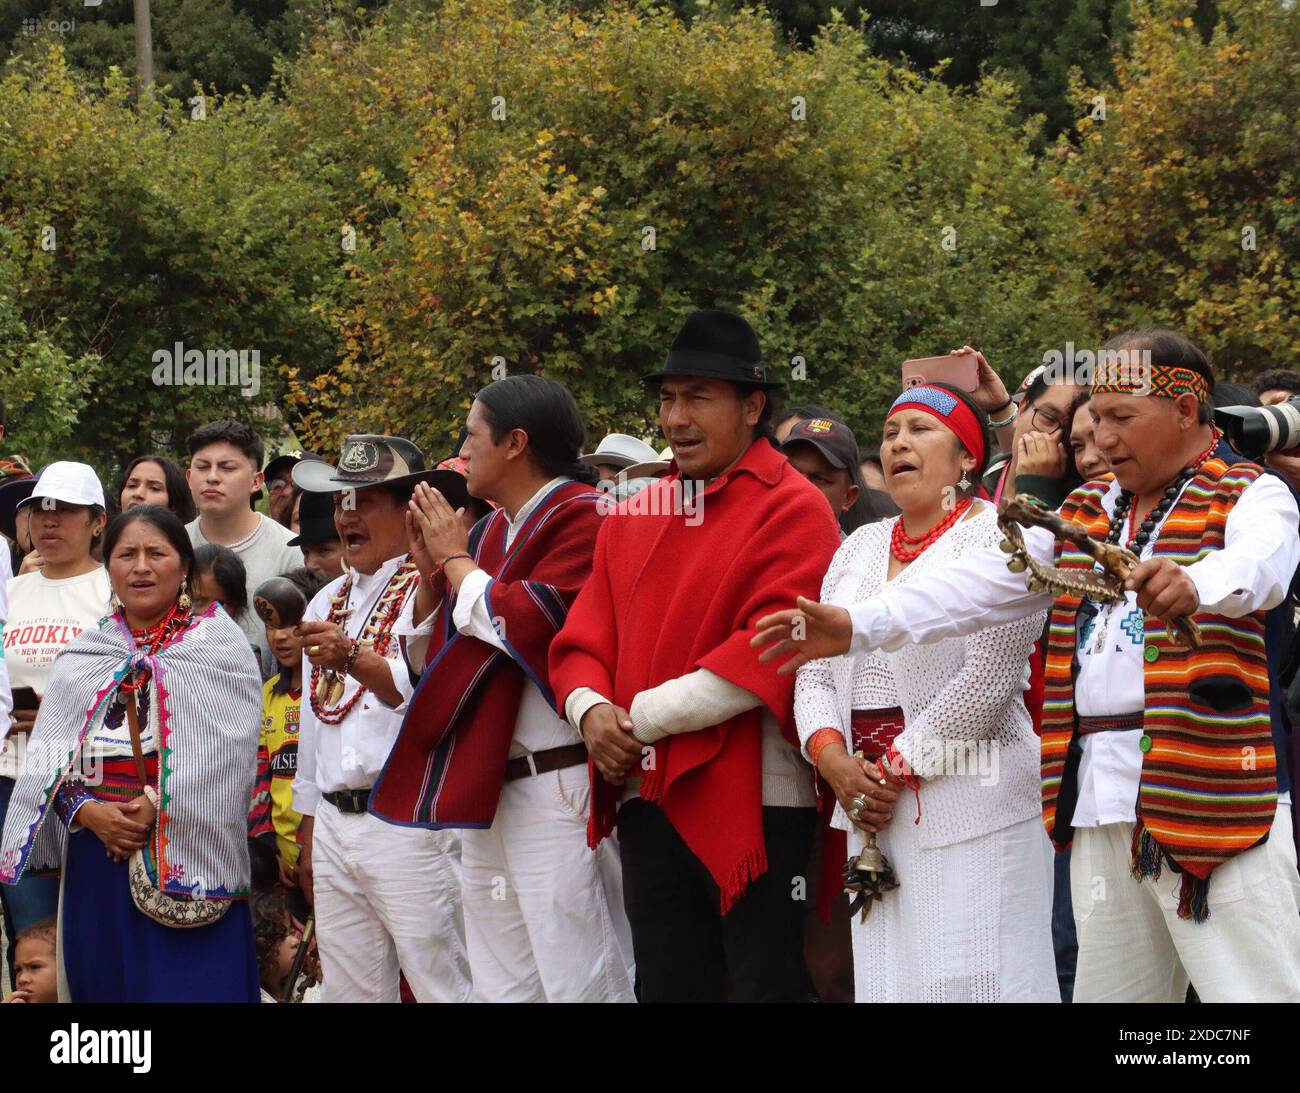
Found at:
(907, 548)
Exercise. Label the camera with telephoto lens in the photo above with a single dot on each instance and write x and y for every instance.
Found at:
(1256, 430)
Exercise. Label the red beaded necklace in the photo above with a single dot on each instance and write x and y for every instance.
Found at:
(377, 633)
(149, 641)
(907, 549)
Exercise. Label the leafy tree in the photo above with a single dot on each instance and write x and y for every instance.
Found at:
(856, 213)
(222, 45)
(44, 389)
(139, 230)
(1032, 44)
(1188, 187)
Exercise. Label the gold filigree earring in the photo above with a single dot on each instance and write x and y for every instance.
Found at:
(184, 599)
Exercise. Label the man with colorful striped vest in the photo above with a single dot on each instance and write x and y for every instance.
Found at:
(1158, 760)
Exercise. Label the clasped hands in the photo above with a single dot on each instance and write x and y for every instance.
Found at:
(434, 530)
(607, 732)
(123, 827)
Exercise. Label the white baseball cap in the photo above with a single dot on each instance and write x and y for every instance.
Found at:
(619, 450)
(71, 483)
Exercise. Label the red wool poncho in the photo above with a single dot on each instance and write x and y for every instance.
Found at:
(669, 594)
(448, 764)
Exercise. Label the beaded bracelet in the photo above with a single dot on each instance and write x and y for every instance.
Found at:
(820, 740)
(1009, 419)
(352, 657)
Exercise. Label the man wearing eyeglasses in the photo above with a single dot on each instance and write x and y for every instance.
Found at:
(1040, 441)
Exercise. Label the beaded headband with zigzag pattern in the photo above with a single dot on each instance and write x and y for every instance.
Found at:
(1163, 380)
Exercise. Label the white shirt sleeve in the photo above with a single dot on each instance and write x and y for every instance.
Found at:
(687, 704)
(412, 653)
(817, 702)
(975, 592)
(580, 700)
(306, 793)
(470, 614)
(972, 705)
(1260, 552)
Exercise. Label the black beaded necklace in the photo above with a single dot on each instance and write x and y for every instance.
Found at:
(1166, 502)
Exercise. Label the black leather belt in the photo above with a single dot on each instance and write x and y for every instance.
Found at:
(349, 800)
(1125, 722)
(542, 762)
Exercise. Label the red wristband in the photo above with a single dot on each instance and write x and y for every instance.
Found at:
(820, 740)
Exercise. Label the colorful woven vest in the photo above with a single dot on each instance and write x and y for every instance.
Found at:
(1209, 785)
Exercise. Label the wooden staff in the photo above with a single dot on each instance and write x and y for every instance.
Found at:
(1116, 560)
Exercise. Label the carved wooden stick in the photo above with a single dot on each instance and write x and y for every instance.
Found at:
(1115, 560)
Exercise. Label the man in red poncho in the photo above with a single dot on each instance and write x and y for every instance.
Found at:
(691, 739)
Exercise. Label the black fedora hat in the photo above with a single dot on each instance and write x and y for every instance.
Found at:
(372, 460)
(282, 462)
(716, 345)
(315, 520)
(13, 492)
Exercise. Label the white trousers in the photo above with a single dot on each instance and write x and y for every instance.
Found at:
(387, 897)
(544, 919)
(1133, 947)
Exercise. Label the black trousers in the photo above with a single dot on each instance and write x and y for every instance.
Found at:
(684, 947)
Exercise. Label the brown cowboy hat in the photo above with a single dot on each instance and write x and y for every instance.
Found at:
(370, 460)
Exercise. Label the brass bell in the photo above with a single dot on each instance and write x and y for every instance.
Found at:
(1007, 546)
(871, 860)
(1016, 564)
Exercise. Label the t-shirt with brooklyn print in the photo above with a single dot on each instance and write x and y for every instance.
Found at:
(44, 615)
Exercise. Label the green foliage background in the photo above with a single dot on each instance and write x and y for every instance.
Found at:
(364, 221)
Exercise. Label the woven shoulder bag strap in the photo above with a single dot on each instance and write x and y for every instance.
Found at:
(137, 750)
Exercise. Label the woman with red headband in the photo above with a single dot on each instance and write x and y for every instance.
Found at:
(948, 779)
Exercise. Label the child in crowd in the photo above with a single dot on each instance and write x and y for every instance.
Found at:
(36, 976)
(277, 943)
(219, 576)
(279, 939)
(272, 819)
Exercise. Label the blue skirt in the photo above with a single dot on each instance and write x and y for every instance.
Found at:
(113, 953)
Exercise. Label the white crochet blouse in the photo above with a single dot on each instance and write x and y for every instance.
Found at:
(967, 731)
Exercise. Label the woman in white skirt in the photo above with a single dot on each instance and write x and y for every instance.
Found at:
(950, 779)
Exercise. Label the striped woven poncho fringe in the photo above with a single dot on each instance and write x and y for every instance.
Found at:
(1209, 785)
(207, 710)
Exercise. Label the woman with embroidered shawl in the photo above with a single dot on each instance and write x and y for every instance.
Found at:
(136, 786)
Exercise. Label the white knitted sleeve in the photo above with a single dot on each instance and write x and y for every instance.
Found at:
(826, 690)
(974, 702)
(971, 706)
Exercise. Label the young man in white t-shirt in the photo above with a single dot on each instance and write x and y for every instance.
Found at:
(224, 472)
